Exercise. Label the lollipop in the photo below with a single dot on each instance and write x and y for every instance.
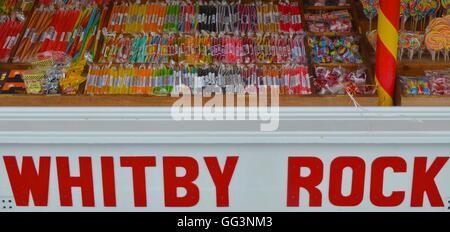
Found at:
(438, 24)
(426, 7)
(435, 41)
(413, 12)
(404, 12)
(370, 8)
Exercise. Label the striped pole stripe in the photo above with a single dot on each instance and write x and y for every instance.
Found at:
(387, 46)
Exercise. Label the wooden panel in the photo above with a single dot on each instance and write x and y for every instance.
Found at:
(130, 100)
(424, 100)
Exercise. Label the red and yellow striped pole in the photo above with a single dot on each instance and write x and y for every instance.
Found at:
(387, 46)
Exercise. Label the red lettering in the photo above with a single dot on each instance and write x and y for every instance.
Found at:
(379, 165)
(424, 182)
(337, 167)
(221, 179)
(109, 183)
(296, 181)
(138, 165)
(29, 180)
(172, 181)
(84, 181)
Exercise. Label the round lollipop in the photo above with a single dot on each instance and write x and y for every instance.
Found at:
(413, 12)
(426, 8)
(435, 42)
(404, 12)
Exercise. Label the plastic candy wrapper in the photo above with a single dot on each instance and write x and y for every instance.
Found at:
(335, 25)
(415, 86)
(343, 49)
(48, 59)
(439, 82)
(71, 84)
(334, 21)
(52, 65)
(340, 81)
(33, 81)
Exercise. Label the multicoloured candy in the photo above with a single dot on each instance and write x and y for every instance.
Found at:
(343, 49)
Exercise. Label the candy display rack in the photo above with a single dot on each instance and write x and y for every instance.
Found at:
(138, 100)
(408, 67)
(354, 32)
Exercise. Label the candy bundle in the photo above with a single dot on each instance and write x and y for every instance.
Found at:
(203, 49)
(334, 21)
(343, 49)
(144, 48)
(195, 49)
(227, 79)
(439, 82)
(65, 29)
(218, 17)
(433, 83)
(9, 33)
(280, 49)
(341, 81)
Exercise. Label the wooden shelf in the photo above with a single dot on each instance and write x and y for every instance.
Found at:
(328, 8)
(417, 67)
(423, 100)
(155, 101)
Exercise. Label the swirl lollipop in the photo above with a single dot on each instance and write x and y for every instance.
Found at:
(426, 7)
(435, 42)
(404, 12)
(413, 12)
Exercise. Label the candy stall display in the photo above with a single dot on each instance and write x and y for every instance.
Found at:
(424, 31)
(161, 48)
(222, 37)
(423, 44)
